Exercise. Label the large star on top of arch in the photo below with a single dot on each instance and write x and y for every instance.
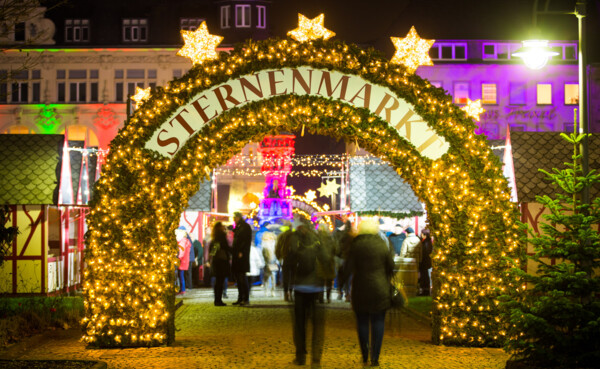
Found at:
(310, 29)
(412, 51)
(199, 44)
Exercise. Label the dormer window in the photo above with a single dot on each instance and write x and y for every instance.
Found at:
(135, 30)
(77, 30)
(242, 16)
(190, 24)
(262, 16)
(225, 16)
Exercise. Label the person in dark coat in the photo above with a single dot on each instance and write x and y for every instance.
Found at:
(219, 257)
(308, 260)
(372, 265)
(242, 240)
(281, 253)
(425, 263)
(396, 238)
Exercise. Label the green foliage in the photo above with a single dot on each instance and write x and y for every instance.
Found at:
(7, 234)
(556, 320)
(23, 316)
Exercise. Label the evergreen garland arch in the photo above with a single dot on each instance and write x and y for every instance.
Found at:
(131, 246)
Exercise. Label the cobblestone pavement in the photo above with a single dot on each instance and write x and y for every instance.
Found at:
(260, 336)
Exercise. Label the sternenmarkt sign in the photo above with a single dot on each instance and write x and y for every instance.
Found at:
(349, 89)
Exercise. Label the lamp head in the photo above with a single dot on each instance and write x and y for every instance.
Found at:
(535, 53)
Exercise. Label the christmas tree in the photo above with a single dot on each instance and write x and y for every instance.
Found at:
(555, 320)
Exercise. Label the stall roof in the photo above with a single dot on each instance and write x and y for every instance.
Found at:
(30, 169)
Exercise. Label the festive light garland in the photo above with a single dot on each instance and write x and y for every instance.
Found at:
(132, 251)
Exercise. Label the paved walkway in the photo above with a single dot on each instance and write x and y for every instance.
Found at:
(260, 336)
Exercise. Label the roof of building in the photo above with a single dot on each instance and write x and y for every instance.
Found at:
(30, 169)
(545, 150)
(377, 187)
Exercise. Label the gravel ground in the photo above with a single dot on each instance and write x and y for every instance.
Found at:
(260, 336)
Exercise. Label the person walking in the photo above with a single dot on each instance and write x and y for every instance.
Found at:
(343, 236)
(281, 253)
(328, 271)
(425, 264)
(242, 241)
(371, 264)
(257, 263)
(305, 256)
(219, 258)
(184, 245)
(271, 264)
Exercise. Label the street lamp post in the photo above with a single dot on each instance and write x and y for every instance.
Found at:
(536, 54)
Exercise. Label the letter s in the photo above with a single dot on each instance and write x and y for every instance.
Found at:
(168, 141)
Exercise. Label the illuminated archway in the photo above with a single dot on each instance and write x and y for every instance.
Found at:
(201, 120)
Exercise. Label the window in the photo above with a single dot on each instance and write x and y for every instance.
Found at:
(461, 92)
(242, 16)
(448, 51)
(19, 92)
(3, 86)
(135, 30)
(77, 30)
(517, 93)
(177, 73)
(190, 24)
(21, 86)
(571, 93)
(225, 16)
(499, 51)
(77, 85)
(488, 93)
(128, 80)
(544, 94)
(518, 128)
(20, 31)
(262, 16)
(77, 92)
(569, 127)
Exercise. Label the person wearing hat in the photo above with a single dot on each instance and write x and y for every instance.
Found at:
(242, 240)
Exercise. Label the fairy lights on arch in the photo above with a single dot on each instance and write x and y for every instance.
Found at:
(128, 285)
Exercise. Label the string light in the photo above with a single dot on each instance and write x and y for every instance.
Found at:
(412, 51)
(128, 285)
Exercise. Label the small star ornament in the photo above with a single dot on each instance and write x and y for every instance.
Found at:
(141, 95)
(310, 195)
(412, 51)
(310, 29)
(473, 109)
(329, 188)
(199, 44)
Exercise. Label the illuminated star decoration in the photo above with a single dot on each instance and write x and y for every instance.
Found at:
(473, 109)
(310, 195)
(141, 95)
(199, 44)
(329, 188)
(310, 29)
(412, 50)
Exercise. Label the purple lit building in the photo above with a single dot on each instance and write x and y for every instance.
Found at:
(511, 94)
